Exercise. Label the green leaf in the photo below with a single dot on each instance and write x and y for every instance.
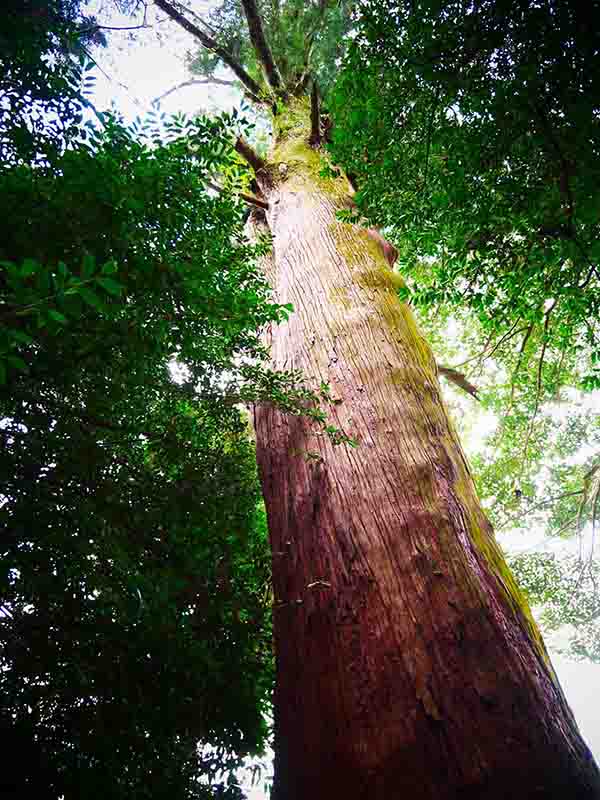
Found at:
(17, 362)
(29, 267)
(57, 316)
(112, 287)
(91, 299)
(19, 336)
(88, 266)
(110, 267)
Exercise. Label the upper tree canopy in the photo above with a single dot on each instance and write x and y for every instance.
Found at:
(275, 49)
(473, 133)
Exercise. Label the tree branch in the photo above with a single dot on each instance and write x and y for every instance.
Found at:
(538, 392)
(247, 198)
(544, 504)
(96, 28)
(207, 41)
(193, 82)
(249, 154)
(261, 46)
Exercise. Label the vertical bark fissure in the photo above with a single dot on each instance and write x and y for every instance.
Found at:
(412, 660)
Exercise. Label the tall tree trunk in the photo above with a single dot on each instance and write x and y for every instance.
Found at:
(408, 664)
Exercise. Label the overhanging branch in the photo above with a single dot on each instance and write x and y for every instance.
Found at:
(249, 154)
(261, 46)
(207, 41)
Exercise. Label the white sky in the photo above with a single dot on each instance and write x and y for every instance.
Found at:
(146, 68)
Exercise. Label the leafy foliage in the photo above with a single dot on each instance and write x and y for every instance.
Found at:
(42, 53)
(567, 588)
(482, 157)
(472, 133)
(134, 565)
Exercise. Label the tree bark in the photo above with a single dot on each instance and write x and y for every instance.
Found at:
(408, 663)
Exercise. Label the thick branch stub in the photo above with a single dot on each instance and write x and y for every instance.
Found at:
(207, 41)
(249, 199)
(249, 154)
(261, 46)
(458, 379)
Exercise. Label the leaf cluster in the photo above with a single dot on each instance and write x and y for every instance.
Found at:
(473, 135)
(567, 588)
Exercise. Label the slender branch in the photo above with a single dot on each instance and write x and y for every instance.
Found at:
(538, 391)
(192, 82)
(249, 154)
(250, 199)
(96, 28)
(207, 41)
(513, 377)
(261, 46)
(301, 84)
(429, 135)
(538, 506)
(484, 353)
(134, 99)
(247, 198)
(315, 116)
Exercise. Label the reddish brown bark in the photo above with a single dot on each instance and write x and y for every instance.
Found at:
(408, 665)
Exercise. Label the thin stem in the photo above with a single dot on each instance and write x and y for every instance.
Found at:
(247, 198)
(249, 154)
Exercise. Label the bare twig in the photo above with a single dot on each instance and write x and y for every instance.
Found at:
(539, 506)
(538, 391)
(261, 46)
(96, 28)
(429, 135)
(134, 99)
(207, 41)
(484, 354)
(588, 482)
(518, 366)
